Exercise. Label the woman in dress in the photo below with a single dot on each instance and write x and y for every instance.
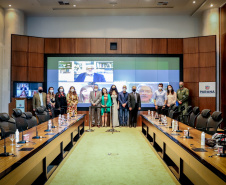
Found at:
(105, 102)
(115, 105)
(61, 102)
(72, 101)
(51, 101)
(171, 96)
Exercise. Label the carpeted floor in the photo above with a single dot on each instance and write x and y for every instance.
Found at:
(120, 158)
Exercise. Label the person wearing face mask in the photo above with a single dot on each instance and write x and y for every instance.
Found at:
(182, 96)
(61, 102)
(123, 106)
(134, 103)
(171, 96)
(95, 100)
(51, 100)
(115, 105)
(39, 99)
(160, 98)
(72, 101)
(105, 102)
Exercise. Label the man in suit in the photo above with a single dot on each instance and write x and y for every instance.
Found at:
(90, 76)
(134, 104)
(95, 100)
(123, 106)
(39, 99)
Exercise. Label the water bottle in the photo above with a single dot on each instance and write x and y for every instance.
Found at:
(203, 136)
(173, 125)
(152, 114)
(148, 112)
(17, 136)
(49, 125)
(68, 116)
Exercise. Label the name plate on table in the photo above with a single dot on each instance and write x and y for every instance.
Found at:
(207, 89)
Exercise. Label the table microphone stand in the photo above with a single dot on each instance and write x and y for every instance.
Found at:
(22, 141)
(178, 127)
(4, 154)
(37, 136)
(111, 124)
(188, 136)
(90, 116)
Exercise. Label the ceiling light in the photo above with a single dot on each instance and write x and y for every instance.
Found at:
(10, 5)
(74, 5)
(194, 2)
(211, 5)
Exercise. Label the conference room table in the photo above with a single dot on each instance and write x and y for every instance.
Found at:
(189, 161)
(35, 161)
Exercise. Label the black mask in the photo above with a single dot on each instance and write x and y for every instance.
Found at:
(40, 91)
(113, 88)
(134, 90)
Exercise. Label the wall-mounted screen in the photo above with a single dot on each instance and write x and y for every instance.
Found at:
(84, 71)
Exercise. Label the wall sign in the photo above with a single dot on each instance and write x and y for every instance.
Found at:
(20, 104)
(207, 89)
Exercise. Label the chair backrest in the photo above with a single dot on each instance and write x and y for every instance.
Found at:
(7, 124)
(202, 118)
(19, 117)
(169, 109)
(193, 116)
(187, 114)
(30, 119)
(174, 109)
(41, 115)
(214, 122)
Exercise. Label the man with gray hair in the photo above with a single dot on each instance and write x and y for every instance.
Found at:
(95, 100)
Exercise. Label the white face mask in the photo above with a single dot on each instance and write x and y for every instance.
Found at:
(72, 90)
(96, 90)
(51, 91)
(160, 88)
(124, 89)
(61, 90)
(170, 89)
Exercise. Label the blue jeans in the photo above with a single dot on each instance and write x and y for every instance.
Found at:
(123, 116)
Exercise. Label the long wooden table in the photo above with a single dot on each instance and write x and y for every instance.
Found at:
(37, 165)
(189, 166)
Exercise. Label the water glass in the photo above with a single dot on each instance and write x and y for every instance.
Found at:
(12, 137)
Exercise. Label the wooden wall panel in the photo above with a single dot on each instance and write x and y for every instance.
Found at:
(129, 46)
(83, 46)
(193, 88)
(19, 58)
(190, 45)
(119, 46)
(67, 45)
(36, 45)
(52, 45)
(207, 44)
(36, 60)
(207, 74)
(175, 46)
(36, 74)
(19, 43)
(191, 75)
(207, 103)
(159, 46)
(191, 60)
(207, 59)
(19, 73)
(98, 46)
(194, 101)
(144, 46)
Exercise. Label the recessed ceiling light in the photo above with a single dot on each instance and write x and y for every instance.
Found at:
(10, 5)
(194, 2)
(211, 5)
(74, 5)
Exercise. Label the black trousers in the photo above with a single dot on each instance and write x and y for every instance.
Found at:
(133, 116)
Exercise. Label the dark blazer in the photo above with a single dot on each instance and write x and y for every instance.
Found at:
(96, 78)
(131, 100)
(123, 99)
(60, 100)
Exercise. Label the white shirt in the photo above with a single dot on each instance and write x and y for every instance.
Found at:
(41, 99)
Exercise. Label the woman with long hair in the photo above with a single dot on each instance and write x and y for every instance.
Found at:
(61, 102)
(105, 102)
(51, 100)
(72, 100)
(171, 96)
(115, 105)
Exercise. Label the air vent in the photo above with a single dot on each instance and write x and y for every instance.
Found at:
(162, 3)
(63, 3)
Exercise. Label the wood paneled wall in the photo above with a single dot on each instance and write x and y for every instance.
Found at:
(200, 66)
(199, 57)
(223, 61)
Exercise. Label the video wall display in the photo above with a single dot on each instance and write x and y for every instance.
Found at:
(83, 72)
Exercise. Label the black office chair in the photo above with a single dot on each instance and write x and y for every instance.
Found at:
(187, 115)
(41, 115)
(214, 122)
(169, 109)
(7, 123)
(30, 119)
(201, 122)
(193, 116)
(47, 111)
(19, 117)
(174, 113)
